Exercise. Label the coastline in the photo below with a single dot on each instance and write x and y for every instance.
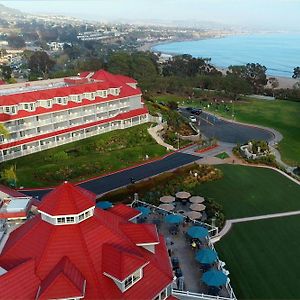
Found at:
(284, 82)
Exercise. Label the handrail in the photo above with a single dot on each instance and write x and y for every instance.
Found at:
(198, 295)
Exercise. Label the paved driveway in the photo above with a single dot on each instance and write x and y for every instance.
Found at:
(229, 132)
(122, 178)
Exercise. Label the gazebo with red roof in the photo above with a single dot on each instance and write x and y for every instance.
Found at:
(73, 250)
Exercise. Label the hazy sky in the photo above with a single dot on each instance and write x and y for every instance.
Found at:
(275, 14)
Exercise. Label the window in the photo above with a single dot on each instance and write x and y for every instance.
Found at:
(132, 279)
(48, 103)
(81, 217)
(31, 106)
(61, 220)
(70, 219)
(26, 106)
(7, 109)
(13, 110)
(87, 214)
(162, 296)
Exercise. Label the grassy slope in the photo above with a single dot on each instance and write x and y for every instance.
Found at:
(263, 258)
(248, 191)
(283, 116)
(87, 158)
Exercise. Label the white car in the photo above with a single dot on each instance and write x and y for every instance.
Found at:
(193, 119)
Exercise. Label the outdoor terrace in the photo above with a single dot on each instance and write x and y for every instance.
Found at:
(188, 272)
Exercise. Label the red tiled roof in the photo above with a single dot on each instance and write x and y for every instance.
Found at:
(119, 262)
(126, 91)
(11, 192)
(141, 233)
(126, 79)
(13, 215)
(124, 211)
(66, 199)
(64, 281)
(122, 116)
(18, 282)
(83, 244)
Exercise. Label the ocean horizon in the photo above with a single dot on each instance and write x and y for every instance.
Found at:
(279, 52)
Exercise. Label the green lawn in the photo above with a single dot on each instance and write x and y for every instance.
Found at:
(222, 155)
(263, 258)
(249, 191)
(283, 116)
(87, 158)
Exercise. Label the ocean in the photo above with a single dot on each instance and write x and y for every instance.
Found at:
(280, 53)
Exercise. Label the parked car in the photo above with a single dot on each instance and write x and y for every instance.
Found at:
(189, 108)
(193, 119)
(196, 111)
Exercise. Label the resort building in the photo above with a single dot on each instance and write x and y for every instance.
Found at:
(45, 114)
(73, 250)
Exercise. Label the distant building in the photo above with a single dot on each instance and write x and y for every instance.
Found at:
(55, 46)
(45, 114)
(73, 250)
(13, 205)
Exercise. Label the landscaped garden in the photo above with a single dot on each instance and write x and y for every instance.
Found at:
(87, 158)
(263, 258)
(280, 115)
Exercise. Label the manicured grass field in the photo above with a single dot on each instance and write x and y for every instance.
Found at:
(87, 158)
(249, 191)
(280, 115)
(263, 258)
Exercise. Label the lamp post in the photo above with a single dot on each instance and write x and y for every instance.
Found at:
(178, 141)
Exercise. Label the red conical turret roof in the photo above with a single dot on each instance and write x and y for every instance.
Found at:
(67, 199)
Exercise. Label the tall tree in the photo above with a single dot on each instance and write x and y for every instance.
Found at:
(255, 74)
(40, 63)
(6, 72)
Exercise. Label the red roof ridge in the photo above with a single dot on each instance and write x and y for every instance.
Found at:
(124, 211)
(14, 237)
(67, 274)
(126, 262)
(141, 233)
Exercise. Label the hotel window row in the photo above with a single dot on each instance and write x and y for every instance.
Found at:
(32, 106)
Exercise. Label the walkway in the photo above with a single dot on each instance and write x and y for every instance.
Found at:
(229, 223)
(110, 182)
(155, 132)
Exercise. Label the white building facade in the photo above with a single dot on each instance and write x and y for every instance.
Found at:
(50, 113)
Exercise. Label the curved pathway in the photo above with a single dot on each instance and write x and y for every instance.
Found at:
(229, 223)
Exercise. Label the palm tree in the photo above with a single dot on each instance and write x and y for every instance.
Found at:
(3, 130)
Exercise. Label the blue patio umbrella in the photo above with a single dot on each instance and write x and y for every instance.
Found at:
(144, 210)
(206, 256)
(104, 204)
(197, 232)
(214, 278)
(174, 219)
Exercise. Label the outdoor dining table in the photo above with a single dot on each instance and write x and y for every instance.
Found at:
(196, 199)
(167, 199)
(167, 207)
(193, 215)
(197, 207)
(183, 195)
